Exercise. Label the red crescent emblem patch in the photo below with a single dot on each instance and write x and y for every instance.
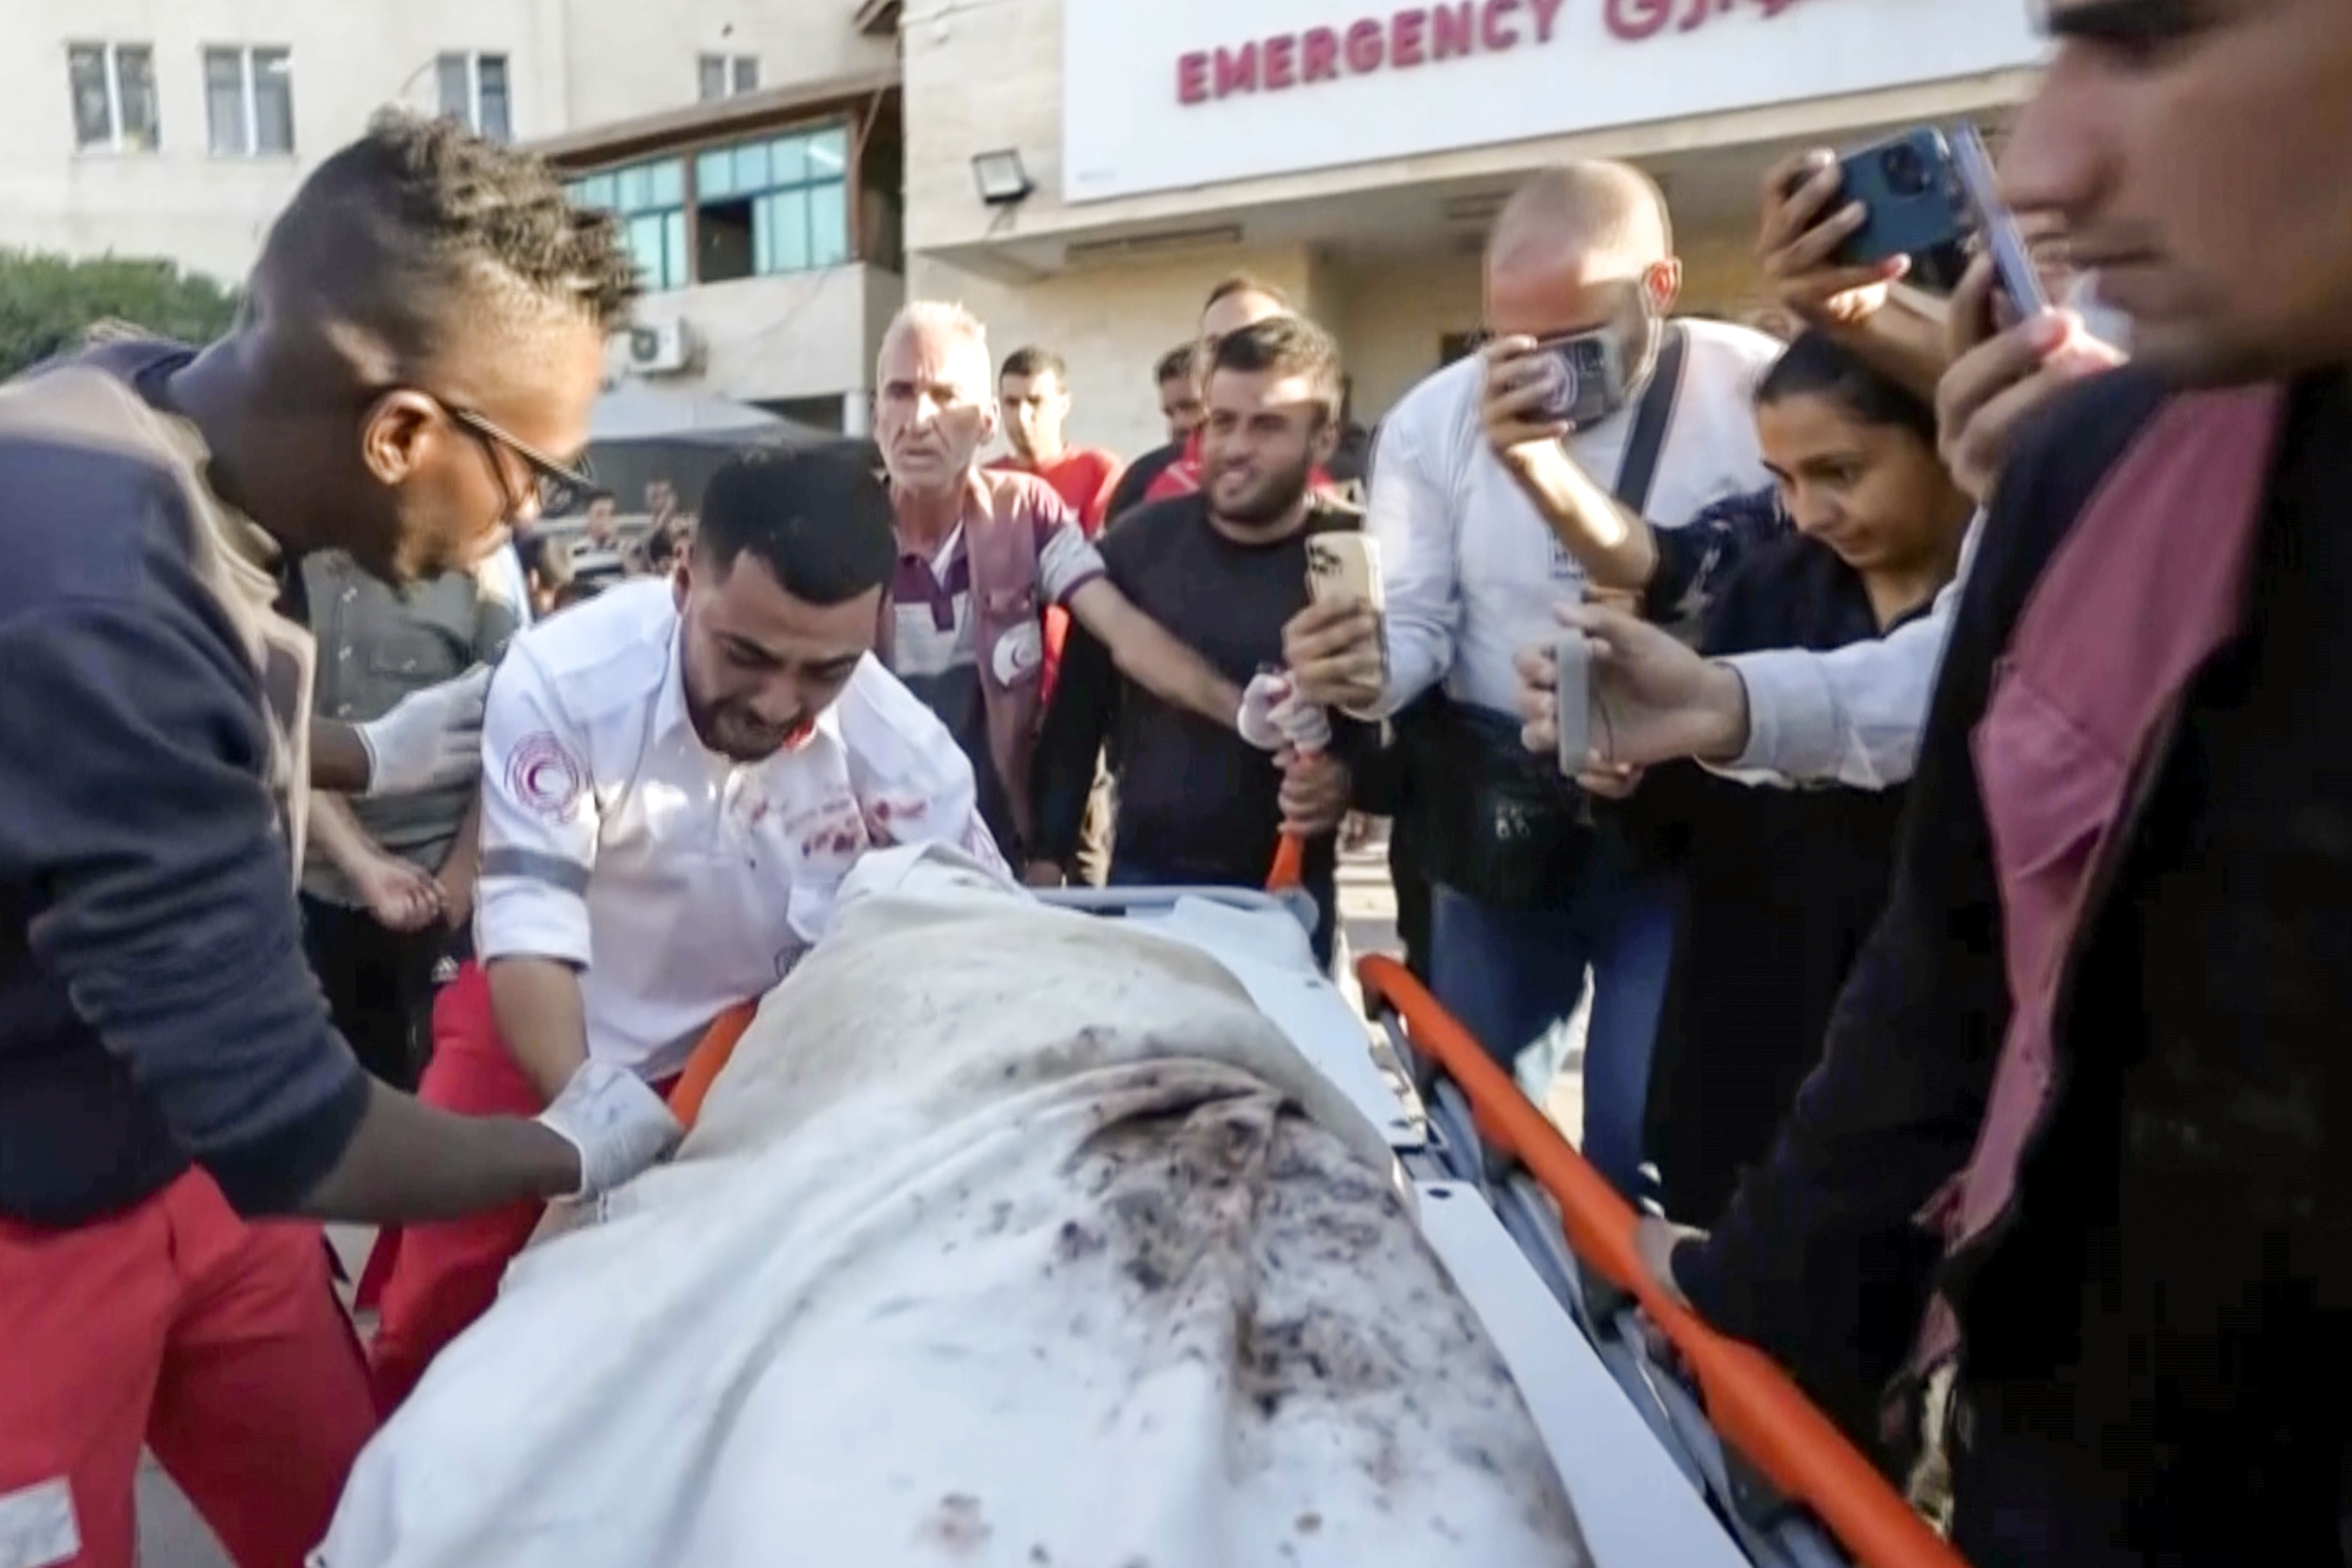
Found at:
(544, 776)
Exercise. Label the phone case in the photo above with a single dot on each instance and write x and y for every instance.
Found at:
(1913, 193)
(1344, 566)
(1572, 703)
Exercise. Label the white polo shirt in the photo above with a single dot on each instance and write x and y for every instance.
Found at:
(1470, 568)
(681, 882)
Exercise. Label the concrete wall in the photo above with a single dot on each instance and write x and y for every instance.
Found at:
(812, 334)
(983, 78)
(206, 212)
(628, 57)
(571, 63)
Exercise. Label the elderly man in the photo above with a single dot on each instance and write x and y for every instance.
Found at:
(2097, 1039)
(1474, 565)
(982, 553)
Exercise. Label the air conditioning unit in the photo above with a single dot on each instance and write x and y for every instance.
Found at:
(662, 350)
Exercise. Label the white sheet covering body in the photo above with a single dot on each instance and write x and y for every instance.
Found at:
(1010, 1236)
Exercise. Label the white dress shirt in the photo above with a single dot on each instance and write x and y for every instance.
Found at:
(1472, 570)
(1852, 716)
(678, 882)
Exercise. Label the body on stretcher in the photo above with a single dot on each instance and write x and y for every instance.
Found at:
(1624, 1452)
(1651, 1479)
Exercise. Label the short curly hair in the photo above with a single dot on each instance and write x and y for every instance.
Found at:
(419, 226)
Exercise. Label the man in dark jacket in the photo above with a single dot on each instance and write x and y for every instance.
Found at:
(425, 326)
(2152, 1264)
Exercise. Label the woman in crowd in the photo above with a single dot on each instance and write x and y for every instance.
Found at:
(1784, 885)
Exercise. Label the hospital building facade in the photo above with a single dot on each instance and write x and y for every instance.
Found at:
(1078, 171)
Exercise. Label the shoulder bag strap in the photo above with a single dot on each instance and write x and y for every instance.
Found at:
(1639, 471)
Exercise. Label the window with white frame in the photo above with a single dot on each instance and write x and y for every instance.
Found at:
(728, 76)
(249, 100)
(473, 91)
(114, 96)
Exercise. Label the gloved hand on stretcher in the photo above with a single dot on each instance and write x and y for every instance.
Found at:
(1274, 715)
(620, 1127)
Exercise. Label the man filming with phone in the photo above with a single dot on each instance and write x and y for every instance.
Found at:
(1223, 568)
(1580, 276)
(1854, 715)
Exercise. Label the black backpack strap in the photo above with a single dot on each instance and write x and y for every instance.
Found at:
(1639, 471)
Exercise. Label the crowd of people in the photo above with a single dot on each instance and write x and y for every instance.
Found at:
(1948, 895)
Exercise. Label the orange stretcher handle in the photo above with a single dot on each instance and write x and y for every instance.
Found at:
(711, 1054)
(1289, 864)
(1750, 1400)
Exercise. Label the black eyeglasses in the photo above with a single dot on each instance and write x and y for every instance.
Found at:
(562, 488)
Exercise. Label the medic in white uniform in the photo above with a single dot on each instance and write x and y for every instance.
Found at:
(677, 777)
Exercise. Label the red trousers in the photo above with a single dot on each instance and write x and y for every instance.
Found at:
(430, 1282)
(215, 1341)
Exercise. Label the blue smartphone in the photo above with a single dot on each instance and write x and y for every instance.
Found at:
(1996, 225)
(1916, 206)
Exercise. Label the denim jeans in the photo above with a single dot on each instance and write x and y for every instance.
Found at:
(1515, 977)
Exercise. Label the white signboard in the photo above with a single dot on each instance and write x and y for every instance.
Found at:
(1162, 94)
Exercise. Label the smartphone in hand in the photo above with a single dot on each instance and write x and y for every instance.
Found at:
(1995, 224)
(1586, 377)
(1572, 703)
(1913, 203)
(1344, 567)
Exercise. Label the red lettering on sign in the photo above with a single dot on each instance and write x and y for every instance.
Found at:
(1193, 77)
(1453, 30)
(1318, 51)
(1366, 45)
(1494, 30)
(1407, 39)
(1634, 20)
(1237, 71)
(1547, 13)
(1281, 62)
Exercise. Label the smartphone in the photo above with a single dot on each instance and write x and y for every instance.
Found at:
(1586, 377)
(1916, 206)
(1996, 225)
(1572, 703)
(1344, 567)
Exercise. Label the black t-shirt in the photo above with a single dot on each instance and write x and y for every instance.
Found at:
(1196, 803)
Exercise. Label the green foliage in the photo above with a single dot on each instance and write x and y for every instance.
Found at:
(48, 303)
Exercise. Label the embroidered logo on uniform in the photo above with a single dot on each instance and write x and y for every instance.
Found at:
(38, 1527)
(543, 775)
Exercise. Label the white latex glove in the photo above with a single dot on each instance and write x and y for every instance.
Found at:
(1255, 722)
(1306, 725)
(620, 1127)
(1273, 716)
(432, 738)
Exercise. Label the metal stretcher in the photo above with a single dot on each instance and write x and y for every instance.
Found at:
(1741, 1470)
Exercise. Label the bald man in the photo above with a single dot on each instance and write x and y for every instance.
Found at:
(1473, 569)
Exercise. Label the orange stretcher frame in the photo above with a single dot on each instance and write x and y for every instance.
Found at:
(1749, 1400)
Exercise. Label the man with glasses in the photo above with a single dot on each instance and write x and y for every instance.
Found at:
(425, 326)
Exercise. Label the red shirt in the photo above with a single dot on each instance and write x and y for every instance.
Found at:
(1084, 477)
